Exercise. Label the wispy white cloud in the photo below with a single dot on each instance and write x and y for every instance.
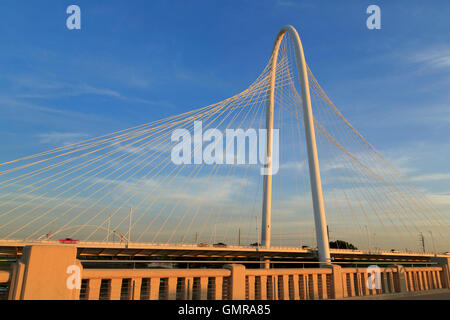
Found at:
(29, 86)
(16, 104)
(61, 138)
(294, 4)
(294, 165)
(431, 177)
(35, 112)
(438, 57)
(442, 201)
(213, 191)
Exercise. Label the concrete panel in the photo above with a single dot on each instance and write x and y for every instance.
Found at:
(45, 276)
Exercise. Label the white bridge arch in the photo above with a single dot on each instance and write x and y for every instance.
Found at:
(313, 161)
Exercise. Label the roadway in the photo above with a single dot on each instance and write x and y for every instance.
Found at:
(436, 294)
(430, 296)
(90, 249)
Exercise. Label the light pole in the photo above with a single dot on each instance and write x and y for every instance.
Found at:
(109, 228)
(375, 241)
(368, 237)
(422, 239)
(432, 239)
(257, 233)
(129, 227)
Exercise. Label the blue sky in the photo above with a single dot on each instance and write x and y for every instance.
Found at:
(134, 62)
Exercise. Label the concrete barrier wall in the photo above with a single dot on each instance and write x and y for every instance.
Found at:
(155, 284)
(394, 279)
(47, 272)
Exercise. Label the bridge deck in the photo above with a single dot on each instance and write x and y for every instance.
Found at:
(108, 249)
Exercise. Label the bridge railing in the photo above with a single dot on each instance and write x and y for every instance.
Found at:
(233, 282)
(394, 279)
(237, 282)
(289, 284)
(49, 272)
(155, 284)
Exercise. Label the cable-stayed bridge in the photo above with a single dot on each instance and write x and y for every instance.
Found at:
(323, 180)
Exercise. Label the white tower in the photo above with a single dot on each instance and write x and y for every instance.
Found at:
(313, 161)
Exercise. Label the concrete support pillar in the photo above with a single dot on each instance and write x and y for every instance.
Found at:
(425, 280)
(439, 281)
(172, 288)
(324, 286)
(358, 284)
(295, 286)
(419, 277)
(154, 288)
(364, 279)
(218, 288)
(416, 281)
(237, 281)
(203, 288)
(263, 288)
(352, 284)
(42, 273)
(16, 281)
(336, 280)
(251, 287)
(276, 295)
(411, 281)
(435, 282)
(401, 279)
(94, 289)
(116, 287)
(315, 286)
(285, 287)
